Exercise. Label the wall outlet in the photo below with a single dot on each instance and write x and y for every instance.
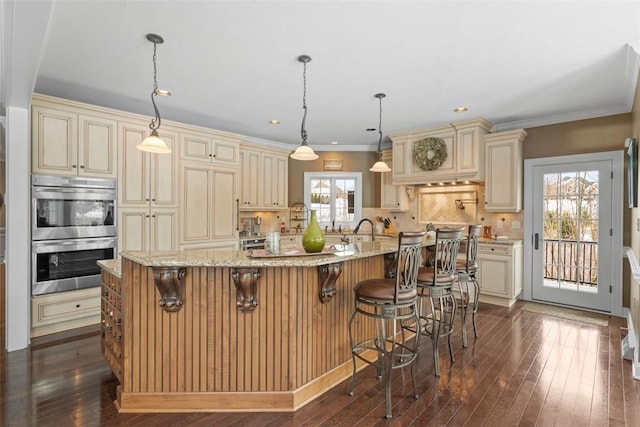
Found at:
(515, 225)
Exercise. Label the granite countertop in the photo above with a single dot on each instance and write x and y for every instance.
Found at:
(112, 266)
(207, 258)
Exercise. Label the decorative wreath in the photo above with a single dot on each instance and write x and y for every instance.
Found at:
(430, 153)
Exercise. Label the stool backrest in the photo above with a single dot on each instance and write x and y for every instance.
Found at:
(446, 252)
(472, 246)
(408, 261)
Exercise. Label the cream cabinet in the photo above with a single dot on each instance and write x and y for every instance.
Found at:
(250, 163)
(392, 197)
(222, 245)
(210, 147)
(147, 191)
(504, 171)
(70, 142)
(208, 203)
(264, 179)
(292, 241)
(464, 148)
(500, 272)
(146, 179)
(64, 310)
(143, 229)
(275, 168)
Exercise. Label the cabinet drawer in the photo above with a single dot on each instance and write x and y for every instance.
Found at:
(64, 306)
(494, 249)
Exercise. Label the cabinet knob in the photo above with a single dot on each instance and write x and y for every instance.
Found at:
(77, 305)
(153, 216)
(147, 216)
(210, 155)
(81, 166)
(74, 166)
(153, 200)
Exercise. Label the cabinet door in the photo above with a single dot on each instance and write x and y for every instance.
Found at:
(196, 214)
(251, 179)
(164, 172)
(133, 166)
(163, 227)
(97, 154)
(494, 275)
(133, 229)
(225, 192)
(196, 147)
(274, 181)
(225, 152)
(54, 141)
(503, 175)
(468, 155)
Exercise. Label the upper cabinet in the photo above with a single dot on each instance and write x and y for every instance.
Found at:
(68, 141)
(503, 164)
(458, 147)
(146, 179)
(210, 147)
(264, 179)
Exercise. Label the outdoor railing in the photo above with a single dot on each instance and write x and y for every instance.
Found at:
(571, 261)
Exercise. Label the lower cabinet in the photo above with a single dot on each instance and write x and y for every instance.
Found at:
(500, 272)
(144, 229)
(222, 245)
(290, 242)
(64, 310)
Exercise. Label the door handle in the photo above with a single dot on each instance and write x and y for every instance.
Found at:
(535, 241)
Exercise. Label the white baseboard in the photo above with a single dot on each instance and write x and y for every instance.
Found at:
(630, 349)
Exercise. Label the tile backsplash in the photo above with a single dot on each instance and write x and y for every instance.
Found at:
(435, 205)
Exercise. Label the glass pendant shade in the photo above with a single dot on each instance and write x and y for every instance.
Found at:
(304, 152)
(153, 144)
(380, 166)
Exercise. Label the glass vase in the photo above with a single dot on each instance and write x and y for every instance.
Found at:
(313, 237)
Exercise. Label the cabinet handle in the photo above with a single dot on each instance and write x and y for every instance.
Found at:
(535, 241)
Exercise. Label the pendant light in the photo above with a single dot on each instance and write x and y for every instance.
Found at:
(153, 143)
(304, 152)
(380, 166)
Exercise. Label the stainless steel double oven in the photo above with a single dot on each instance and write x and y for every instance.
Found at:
(73, 226)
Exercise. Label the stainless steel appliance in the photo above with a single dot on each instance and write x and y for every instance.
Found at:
(72, 207)
(68, 264)
(73, 227)
(252, 243)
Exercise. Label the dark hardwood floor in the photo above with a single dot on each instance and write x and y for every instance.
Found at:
(524, 369)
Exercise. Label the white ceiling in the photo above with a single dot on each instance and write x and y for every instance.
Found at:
(232, 65)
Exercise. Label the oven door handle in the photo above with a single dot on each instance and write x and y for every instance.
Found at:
(47, 246)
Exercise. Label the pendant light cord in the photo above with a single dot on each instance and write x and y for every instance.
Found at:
(303, 131)
(380, 130)
(155, 123)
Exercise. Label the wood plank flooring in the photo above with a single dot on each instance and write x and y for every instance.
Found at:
(524, 369)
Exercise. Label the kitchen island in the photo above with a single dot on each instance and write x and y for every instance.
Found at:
(213, 331)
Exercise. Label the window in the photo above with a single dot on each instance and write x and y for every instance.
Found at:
(335, 196)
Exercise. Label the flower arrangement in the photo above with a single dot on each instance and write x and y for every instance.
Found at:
(430, 153)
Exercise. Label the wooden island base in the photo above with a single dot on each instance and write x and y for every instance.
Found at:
(216, 353)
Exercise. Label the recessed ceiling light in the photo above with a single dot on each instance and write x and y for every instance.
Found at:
(334, 142)
(460, 109)
(274, 122)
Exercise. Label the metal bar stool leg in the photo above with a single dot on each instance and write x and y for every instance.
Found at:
(464, 304)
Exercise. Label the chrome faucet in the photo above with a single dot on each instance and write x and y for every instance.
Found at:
(373, 229)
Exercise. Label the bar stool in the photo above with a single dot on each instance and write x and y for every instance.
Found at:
(467, 270)
(435, 282)
(390, 300)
